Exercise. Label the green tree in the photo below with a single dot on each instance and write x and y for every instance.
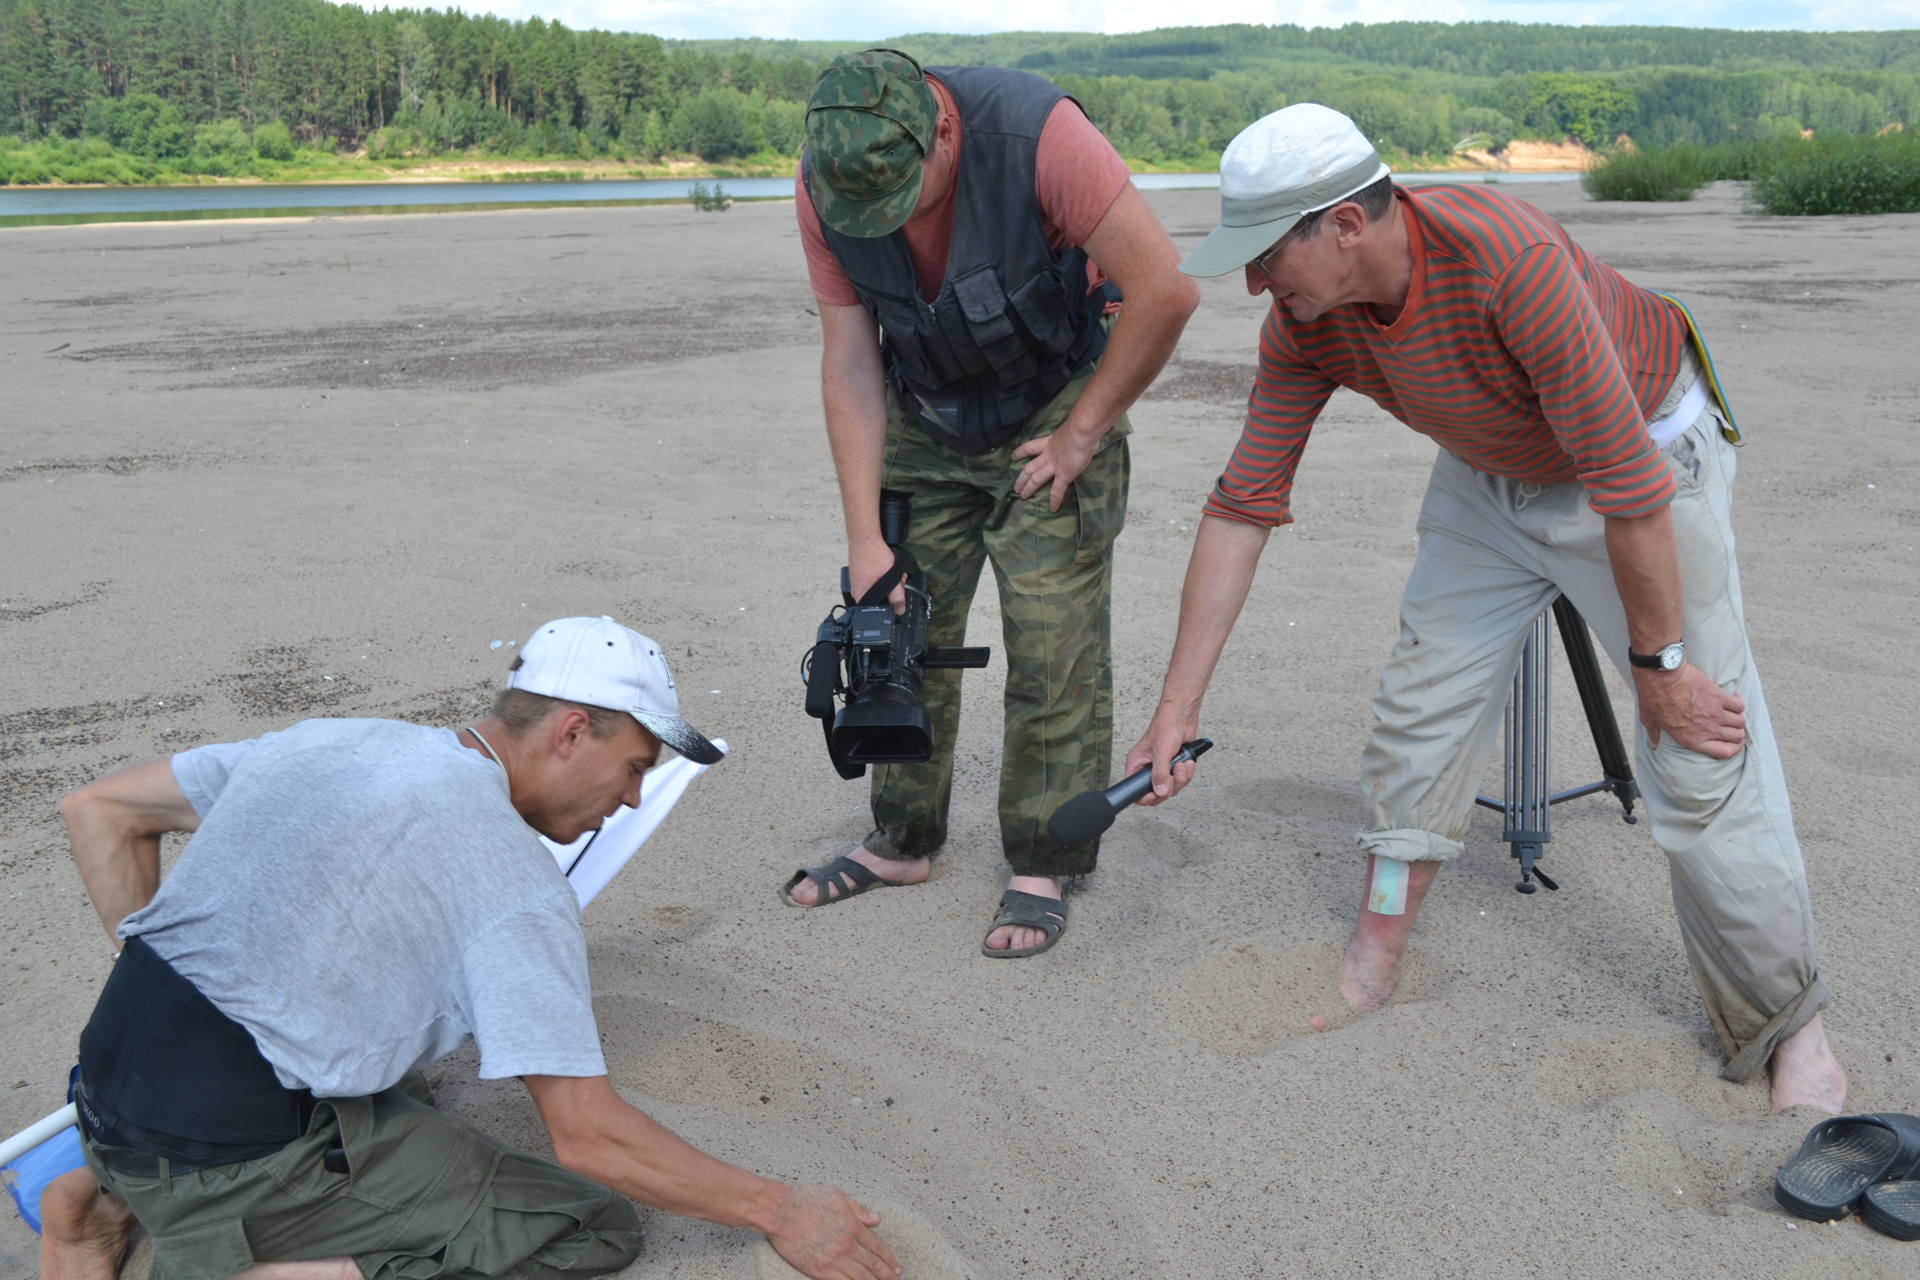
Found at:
(785, 124)
(1592, 109)
(222, 137)
(142, 123)
(415, 62)
(273, 141)
(1486, 127)
(715, 126)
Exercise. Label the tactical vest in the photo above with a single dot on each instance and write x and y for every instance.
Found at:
(1013, 321)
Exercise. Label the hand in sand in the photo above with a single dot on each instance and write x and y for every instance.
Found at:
(1696, 712)
(1170, 730)
(822, 1233)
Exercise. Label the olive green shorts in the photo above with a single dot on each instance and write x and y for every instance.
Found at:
(427, 1195)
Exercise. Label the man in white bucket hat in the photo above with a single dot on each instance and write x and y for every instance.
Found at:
(359, 899)
(1586, 450)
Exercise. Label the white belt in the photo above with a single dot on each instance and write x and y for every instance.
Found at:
(1668, 429)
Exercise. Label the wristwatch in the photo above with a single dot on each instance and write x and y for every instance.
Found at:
(1668, 659)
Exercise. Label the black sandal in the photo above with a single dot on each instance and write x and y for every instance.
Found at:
(1028, 911)
(1842, 1158)
(829, 888)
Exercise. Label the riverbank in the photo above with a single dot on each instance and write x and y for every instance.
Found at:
(91, 163)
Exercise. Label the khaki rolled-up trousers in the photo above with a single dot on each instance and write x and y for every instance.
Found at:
(1493, 553)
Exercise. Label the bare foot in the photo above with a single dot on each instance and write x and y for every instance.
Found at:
(84, 1230)
(1371, 969)
(1018, 936)
(807, 894)
(1806, 1074)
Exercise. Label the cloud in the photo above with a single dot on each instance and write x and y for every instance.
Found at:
(859, 20)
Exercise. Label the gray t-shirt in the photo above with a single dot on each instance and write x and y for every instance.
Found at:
(362, 896)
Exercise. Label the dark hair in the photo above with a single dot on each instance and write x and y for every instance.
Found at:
(518, 711)
(1374, 200)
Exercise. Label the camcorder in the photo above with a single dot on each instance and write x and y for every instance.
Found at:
(876, 659)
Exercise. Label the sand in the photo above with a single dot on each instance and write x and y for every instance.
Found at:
(251, 472)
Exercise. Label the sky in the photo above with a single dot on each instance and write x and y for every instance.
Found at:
(872, 19)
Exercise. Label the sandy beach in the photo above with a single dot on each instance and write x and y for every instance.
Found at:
(252, 472)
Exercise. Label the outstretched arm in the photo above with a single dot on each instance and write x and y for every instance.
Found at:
(114, 825)
(1219, 574)
(820, 1231)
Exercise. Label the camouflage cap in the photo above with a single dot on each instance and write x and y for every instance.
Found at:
(869, 124)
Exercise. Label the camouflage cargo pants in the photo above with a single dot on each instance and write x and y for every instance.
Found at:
(1055, 572)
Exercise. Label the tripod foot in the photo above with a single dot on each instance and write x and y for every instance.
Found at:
(1525, 887)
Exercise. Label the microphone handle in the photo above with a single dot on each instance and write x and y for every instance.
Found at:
(1131, 788)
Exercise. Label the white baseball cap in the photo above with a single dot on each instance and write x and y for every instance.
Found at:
(598, 662)
(1282, 166)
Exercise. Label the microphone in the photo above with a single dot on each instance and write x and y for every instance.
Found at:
(1081, 820)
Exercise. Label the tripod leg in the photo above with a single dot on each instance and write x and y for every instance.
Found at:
(1527, 786)
(1614, 762)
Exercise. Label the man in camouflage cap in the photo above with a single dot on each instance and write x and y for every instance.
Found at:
(978, 359)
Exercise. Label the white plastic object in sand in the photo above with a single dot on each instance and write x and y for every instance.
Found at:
(593, 860)
(38, 1132)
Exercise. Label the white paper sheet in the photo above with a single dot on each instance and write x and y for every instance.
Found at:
(592, 861)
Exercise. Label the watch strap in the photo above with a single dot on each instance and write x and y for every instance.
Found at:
(1655, 661)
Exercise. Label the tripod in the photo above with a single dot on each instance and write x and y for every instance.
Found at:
(1528, 722)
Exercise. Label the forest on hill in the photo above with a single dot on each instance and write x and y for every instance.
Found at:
(211, 86)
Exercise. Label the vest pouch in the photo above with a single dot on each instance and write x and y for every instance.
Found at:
(900, 338)
(984, 305)
(1041, 304)
(940, 417)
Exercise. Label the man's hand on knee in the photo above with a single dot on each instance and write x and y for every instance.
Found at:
(822, 1233)
(1697, 713)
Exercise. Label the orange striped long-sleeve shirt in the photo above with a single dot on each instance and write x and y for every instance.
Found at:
(1515, 350)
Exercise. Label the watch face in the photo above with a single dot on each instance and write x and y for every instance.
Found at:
(1672, 656)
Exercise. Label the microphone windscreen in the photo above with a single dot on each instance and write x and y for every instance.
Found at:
(1080, 820)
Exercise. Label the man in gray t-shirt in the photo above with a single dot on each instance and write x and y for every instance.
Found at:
(360, 898)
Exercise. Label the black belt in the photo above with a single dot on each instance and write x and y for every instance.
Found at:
(165, 1076)
(140, 1157)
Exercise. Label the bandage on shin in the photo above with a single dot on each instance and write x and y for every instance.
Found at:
(1387, 887)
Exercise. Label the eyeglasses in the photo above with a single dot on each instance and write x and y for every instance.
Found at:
(1306, 220)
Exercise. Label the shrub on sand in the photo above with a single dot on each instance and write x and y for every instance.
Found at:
(715, 201)
(1841, 175)
(1667, 173)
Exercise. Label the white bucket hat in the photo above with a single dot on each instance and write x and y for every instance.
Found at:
(1282, 166)
(598, 662)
